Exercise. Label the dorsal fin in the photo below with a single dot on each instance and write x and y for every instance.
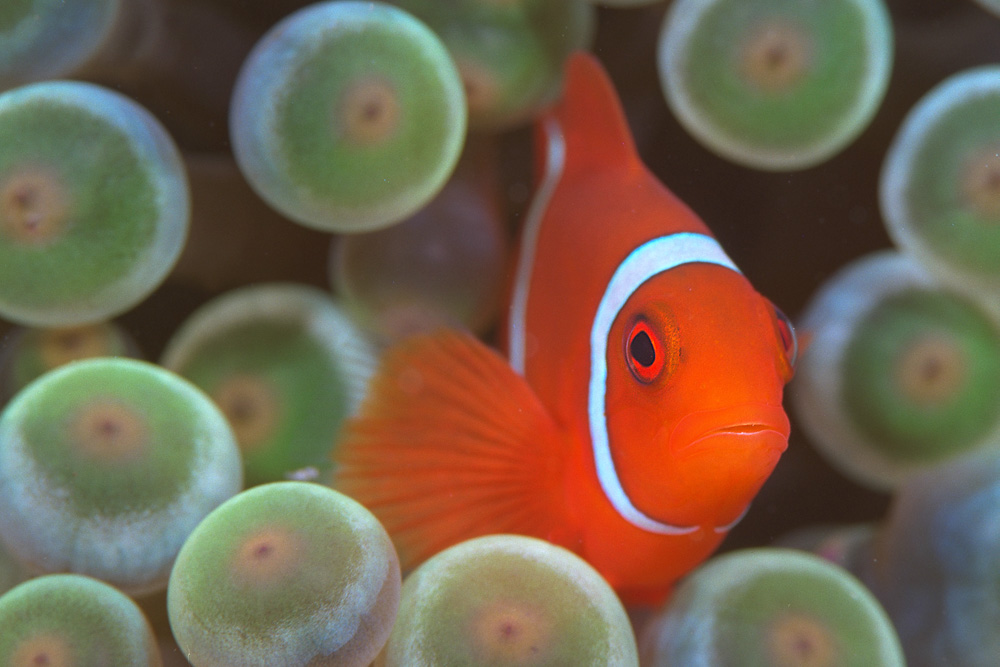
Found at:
(590, 117)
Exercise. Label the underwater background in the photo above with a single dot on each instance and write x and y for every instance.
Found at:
(788, 231)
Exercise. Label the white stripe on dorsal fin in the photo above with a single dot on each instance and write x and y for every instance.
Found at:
(555, 160)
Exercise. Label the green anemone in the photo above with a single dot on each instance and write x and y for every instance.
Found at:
(940, 183)
(922, 374)
(106, 465)
(93, 203)
(284, 365)
(770, 606)
(900, 373)
(289, 573)
(510, 54)
(69, 619)
(509, 600)
(348, 116)
(775, 84)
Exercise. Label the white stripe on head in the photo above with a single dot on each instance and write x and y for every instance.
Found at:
(653, 257)
(554, 162)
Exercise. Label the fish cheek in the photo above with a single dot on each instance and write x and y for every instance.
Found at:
(643, 355)
(639, 422)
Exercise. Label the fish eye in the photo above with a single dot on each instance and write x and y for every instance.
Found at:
(786, 332)
(644, 352)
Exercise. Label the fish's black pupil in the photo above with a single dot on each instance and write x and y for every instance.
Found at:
(641, 349)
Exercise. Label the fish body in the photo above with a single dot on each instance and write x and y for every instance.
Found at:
(639, 409)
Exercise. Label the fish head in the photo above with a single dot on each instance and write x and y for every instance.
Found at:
(696, 364)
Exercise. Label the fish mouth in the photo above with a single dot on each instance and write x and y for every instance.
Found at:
(741, 424)
(717, 461)
(739, 434)
(752, 448)
(730, 465)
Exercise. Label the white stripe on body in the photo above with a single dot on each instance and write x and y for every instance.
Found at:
(651, 258)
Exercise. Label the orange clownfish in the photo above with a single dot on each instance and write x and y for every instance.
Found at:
(639, 410)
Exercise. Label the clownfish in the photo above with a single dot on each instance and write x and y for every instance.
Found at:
(638, 411)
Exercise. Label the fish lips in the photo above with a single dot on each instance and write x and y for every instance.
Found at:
(717, 461)
(736, 425)
(767, 440)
